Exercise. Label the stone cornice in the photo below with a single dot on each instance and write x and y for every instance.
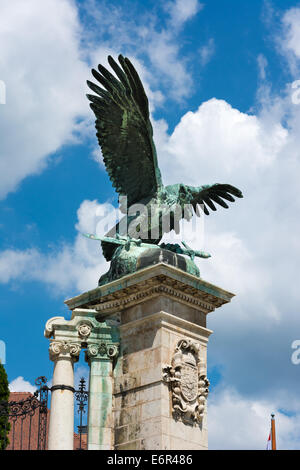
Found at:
(82, 326)
(155, 287)
(150, 282)
(60, 323)
(68, 337)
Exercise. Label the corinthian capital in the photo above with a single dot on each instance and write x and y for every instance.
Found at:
(64, 348)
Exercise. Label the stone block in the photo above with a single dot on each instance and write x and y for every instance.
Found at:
(101, 437)
(133, 445)
(127, 415)
(121, 434)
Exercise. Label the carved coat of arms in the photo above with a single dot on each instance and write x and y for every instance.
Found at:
(188, 383)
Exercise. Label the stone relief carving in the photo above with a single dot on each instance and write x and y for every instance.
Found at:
(84, 330)
(112, 351)
(102, 350)
(188, 382)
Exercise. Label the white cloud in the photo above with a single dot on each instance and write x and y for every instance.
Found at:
(289, 40)
(236, 422)
(182, 10)
(19, 384)
(144, 38)
(44, 51)
(262, 66)
(72, 267)
(207, 51)
(220, 142)
(14, 263)
(42, 67)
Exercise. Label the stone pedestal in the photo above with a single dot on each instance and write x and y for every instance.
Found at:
(160, 384)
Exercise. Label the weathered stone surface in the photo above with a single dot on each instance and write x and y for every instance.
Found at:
(150, 330)
(152, 282)
(158, 308)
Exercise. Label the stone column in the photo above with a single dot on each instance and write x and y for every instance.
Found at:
(100, 419)
(61, 426)
(101, 340)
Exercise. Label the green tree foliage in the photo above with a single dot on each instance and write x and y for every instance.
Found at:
(4, 396)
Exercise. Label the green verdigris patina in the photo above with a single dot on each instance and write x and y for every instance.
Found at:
(150, 209)
(132, 255)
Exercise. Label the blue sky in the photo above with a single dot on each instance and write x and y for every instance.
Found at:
(218, 75)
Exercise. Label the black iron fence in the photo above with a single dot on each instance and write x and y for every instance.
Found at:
(26, 420)
(81, 397)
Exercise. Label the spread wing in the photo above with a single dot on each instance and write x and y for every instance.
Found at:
(209, 195)
(124, 130)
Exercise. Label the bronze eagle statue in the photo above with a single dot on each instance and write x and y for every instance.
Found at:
(125, 135)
